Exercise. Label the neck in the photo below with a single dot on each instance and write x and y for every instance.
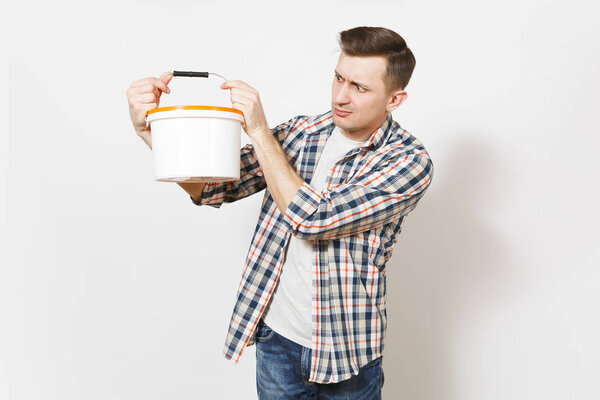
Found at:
(361, 134)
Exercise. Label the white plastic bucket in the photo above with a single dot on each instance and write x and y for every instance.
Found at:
(196, 143)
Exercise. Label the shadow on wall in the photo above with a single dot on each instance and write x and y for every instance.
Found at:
(448, 269)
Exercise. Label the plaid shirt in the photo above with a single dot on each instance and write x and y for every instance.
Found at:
(353, 222)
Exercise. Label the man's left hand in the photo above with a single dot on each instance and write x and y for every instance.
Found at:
(246, 98)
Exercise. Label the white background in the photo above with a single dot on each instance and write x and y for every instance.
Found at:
(114, 286)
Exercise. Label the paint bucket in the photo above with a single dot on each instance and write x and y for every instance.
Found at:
(196, 143)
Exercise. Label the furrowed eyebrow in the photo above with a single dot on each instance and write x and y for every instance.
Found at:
(353, 82)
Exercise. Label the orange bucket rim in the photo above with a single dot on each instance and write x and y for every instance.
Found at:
(210, 108)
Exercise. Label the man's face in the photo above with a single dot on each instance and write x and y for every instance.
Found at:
(359, 98)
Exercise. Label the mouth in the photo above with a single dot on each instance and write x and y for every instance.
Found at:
(341, 113)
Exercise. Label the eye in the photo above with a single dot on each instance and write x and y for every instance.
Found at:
(360, 88)
(338, 77)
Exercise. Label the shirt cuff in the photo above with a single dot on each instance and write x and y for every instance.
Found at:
(204, 200)
(304, 204)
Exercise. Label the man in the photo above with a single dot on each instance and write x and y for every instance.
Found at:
(338, 186)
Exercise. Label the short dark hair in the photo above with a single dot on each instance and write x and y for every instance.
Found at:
(377, 41)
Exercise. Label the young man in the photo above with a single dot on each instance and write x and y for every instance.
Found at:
(338, 186)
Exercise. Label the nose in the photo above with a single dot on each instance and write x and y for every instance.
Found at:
(341, 94)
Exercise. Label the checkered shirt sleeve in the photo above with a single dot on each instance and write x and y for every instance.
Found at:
(371, 199)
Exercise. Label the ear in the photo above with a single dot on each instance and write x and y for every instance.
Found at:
(397, 97)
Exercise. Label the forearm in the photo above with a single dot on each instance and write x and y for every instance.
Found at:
(282, 180)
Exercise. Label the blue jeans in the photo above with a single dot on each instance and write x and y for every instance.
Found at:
(283, 369)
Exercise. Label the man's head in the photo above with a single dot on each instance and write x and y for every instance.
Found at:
(373, 69)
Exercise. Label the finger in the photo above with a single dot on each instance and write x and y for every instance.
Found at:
(154, 82)
(236, 84)
(141, 82)
(239, 99)
(245, 92)
(161, 85)
(147, 88)
(246, 98)
(148, 107)
(166, 77)
(146, 98)
(242, 107)
(144, 108)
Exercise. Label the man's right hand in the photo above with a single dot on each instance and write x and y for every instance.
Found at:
(144, 95)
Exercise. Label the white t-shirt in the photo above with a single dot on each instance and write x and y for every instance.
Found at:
(290, 310)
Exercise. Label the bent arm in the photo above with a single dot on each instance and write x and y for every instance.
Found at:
(375, 198)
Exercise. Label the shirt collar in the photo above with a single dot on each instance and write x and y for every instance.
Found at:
(380, 136)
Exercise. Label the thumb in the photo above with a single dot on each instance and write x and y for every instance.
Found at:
(166, 77)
